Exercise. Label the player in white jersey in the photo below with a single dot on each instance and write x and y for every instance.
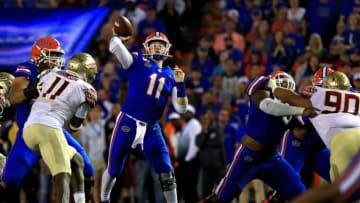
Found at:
(63, 96)
(338, 123)
(5, 85)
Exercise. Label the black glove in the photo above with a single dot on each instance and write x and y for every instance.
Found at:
(31, 91)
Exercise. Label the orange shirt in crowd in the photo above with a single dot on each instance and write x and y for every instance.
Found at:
(238, 39)
(248, 70)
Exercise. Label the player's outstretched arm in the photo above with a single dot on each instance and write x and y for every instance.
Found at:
(262, 100)
(120, 51)
(178, 97)
(292, 98)
(17, 95)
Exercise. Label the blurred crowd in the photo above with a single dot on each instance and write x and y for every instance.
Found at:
(252, 38)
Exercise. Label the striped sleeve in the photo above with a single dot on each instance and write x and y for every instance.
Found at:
(22, 71)
(256, 84)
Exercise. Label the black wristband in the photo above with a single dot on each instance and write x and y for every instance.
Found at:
(31, 91)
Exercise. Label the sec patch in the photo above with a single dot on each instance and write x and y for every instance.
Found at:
(125, 128)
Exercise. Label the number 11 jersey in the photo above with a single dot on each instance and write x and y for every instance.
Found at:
(149, 89)
(339, 112)
(61, 96)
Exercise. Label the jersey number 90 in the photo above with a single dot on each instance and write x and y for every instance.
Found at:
(342, 101)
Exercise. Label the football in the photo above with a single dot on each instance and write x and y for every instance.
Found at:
(123, 27)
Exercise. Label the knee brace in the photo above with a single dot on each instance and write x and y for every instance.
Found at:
(167, 181)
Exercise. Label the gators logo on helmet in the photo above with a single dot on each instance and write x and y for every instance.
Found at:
(43, 51)
(320, 75)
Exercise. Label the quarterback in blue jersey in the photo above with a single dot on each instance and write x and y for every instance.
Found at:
(257, 156)
(304, 142)
(150, 85)
(46, 53)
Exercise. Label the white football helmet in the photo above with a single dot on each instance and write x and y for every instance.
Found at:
(283, 80)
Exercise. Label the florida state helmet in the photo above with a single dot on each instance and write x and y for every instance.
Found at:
(84, 65)
(163, 52)
(337, 80)
(43, 52)
(283, 80)
(320, 75)
(6, 80)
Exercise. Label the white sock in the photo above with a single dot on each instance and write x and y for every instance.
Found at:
(79, 197)
(107, 184)
(170, 196)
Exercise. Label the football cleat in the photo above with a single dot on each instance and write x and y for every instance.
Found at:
(83, 65)
(337, 80)
(163, 52)
(48, 50)
(320, 75)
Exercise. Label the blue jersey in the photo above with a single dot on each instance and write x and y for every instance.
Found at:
(148, 94)
(28, 70)
(263, 127)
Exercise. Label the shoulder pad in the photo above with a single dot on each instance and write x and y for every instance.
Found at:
(90, 96)
(24, 69)
(256, 84)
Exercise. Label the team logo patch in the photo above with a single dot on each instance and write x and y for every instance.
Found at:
(296, 143)
(248, 158)
(148, 65)
(125, 128)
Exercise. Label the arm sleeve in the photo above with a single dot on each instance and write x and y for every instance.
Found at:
(178, 107)
(275, 108)
(121, 52)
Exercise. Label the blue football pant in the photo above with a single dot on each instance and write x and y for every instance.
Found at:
(311, 149)
(154, 147)
(248, 165)
(21, 160)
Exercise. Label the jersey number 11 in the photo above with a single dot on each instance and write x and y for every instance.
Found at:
(151, 85)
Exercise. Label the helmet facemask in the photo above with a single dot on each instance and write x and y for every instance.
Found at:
(51, 58)
(155, 50)
(283, 80)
